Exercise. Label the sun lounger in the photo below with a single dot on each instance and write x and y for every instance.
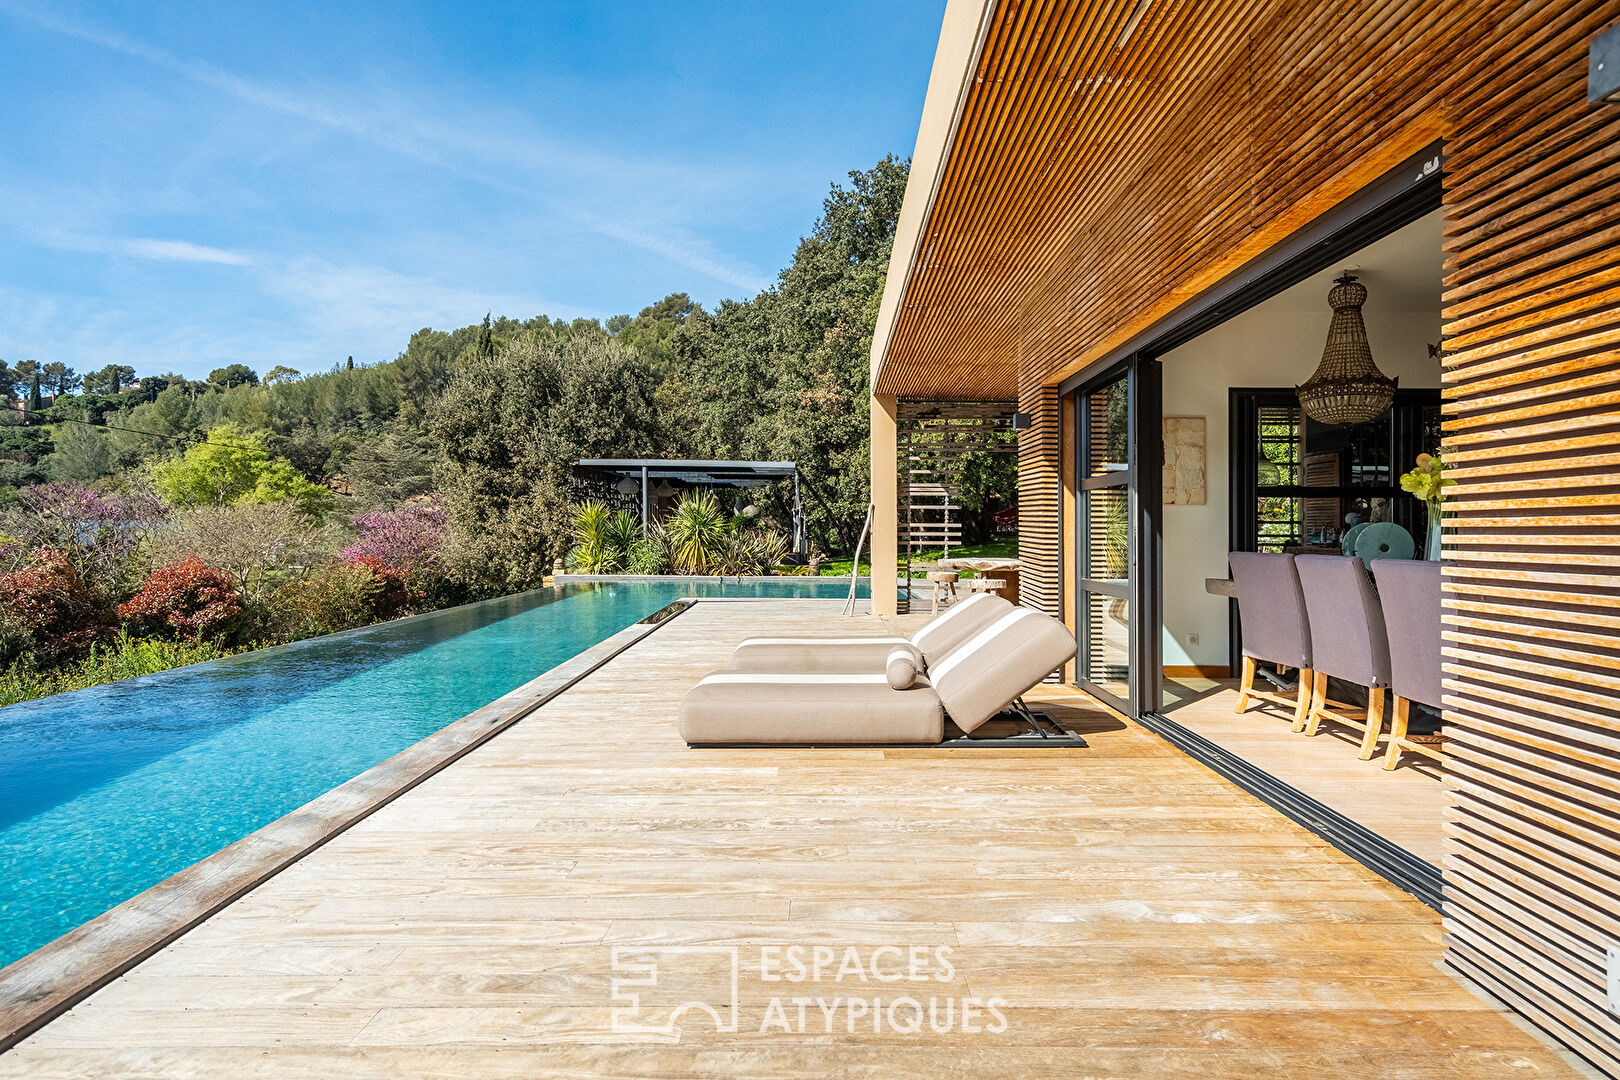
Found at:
(869, 654)
(969, 684)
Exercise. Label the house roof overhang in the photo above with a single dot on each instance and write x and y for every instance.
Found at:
(961, 43)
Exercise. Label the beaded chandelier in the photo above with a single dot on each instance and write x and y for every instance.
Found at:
(1347, 387)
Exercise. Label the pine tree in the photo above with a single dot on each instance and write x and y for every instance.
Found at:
(350, 364)
(486, 341)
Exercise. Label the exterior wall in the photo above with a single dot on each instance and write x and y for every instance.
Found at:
(1114, 160)
(1039, 548)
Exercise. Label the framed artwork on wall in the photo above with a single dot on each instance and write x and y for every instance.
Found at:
(1185, 443)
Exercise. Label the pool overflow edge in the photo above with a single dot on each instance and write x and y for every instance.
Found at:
(52, 979)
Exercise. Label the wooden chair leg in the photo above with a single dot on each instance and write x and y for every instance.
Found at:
(1248, 683)
(1318, 702)
(1397, 732)
(1305, 692)
(1375, 723)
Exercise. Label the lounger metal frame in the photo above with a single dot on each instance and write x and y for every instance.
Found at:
(1037, 735)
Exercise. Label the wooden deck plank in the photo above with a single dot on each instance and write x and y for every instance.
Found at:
(1140, 916)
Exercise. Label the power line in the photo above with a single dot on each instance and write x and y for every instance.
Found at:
(188, 437)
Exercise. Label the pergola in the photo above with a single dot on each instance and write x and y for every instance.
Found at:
(645, 472)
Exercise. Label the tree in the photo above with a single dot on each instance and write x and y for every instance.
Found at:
(281, 374)
(233, 466)
(260, 545)
(60, 378)
(510, 429)
(385, 472)
(425, 366)
(110, 380)
(350, 365)
(484, 344)
(35, 402)
(233, 375)
(81, 453)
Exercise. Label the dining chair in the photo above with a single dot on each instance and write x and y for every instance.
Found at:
(1272, 610)
(1409, 592)
(1348, 642)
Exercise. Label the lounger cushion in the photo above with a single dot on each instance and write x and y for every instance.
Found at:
(825, 655)
(809, 708)
(983, 675)
(901, 668)
(959, 623)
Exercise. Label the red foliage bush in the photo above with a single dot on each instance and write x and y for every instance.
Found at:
(59, 615)
(189, 597)
(393, 588)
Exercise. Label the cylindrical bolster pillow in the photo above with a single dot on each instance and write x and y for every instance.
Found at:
(902, 668)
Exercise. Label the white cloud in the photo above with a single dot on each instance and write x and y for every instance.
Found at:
(183, 251)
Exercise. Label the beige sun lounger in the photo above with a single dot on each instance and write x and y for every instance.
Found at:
(869, 654)
(969, 683)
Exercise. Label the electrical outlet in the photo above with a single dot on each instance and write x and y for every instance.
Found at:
(1192, 639)
(1614, 979)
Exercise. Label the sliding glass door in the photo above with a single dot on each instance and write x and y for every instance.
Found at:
(1118, 452)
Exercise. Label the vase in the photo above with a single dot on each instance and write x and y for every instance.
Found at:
(1432, 549)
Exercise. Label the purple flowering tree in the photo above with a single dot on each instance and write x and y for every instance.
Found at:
(101, 532)
(409, 539)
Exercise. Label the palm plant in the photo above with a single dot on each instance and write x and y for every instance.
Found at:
(593, 550)
(697, 532)
(623, 534)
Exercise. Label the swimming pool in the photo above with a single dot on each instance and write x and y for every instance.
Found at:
(107, 791)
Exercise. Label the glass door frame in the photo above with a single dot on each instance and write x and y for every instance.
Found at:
(1142, 480)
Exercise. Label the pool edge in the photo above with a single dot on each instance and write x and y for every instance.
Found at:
(47, 982)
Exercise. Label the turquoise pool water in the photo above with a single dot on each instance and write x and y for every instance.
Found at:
(107, 791)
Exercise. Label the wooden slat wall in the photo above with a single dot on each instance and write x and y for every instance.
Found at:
(1039, 543)
(1116, 157)
(1532, 416)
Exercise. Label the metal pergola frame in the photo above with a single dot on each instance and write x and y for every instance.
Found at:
(694, 473)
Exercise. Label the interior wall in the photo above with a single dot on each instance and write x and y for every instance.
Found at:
(1263, 347)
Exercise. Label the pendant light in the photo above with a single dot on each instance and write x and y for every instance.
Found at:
(1347, 387)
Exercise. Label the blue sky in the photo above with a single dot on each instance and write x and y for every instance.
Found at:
(186, 185)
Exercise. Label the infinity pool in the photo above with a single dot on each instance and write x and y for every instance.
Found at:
(107, 791)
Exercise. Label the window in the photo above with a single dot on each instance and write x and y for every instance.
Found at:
(1298, 484)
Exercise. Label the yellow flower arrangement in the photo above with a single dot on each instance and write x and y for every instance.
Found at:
(1426, 481)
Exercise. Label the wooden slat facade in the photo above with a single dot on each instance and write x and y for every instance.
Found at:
(1113, 159)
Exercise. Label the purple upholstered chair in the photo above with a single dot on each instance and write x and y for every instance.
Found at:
(1347, 642)
(1275, 630)
(1409, 593)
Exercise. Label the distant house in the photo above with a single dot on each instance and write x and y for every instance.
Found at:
(21, 404)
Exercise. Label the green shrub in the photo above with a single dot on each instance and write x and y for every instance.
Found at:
(123, 657)
(336, 597)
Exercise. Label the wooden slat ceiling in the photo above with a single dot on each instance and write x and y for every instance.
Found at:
(1100, 174)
